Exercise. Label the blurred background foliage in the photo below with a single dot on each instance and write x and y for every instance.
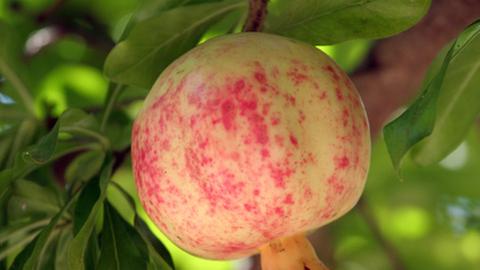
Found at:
(431, 218)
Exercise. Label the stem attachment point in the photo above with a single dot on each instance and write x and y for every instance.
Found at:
(290, 253)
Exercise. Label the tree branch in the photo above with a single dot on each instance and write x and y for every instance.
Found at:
(51, 10)
(364, 210)
(397, 65)
(256, 15)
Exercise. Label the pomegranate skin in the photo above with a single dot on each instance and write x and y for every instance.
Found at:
(248, 138)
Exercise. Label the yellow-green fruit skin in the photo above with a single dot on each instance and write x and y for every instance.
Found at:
(247, 138)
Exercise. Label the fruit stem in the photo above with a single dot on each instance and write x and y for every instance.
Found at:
(256, 15)
(290, 253)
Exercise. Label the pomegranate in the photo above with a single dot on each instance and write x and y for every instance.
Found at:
(246, 143)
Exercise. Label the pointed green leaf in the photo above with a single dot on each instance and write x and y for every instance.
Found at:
(61, 252)
(154, 43)
(41, 152)
(78, 246)
(159, 253)
(29, 198)
(418, 120)
(23, 256)
(86, 201)
(84, 166)
(158, 246)
(24, 227)
(457, 106)
(79, 123)
(22, 168)
(33, 262)
(48, 148)
(122, 247)
(78, 118)
(320, 22)
(5, 145)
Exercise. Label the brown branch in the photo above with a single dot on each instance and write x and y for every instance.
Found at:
(51, 10)
(120, 157)
(364, 210)
(256, 15)
(397, 65)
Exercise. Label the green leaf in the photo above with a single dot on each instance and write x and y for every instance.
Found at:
(122, 247)
(348, 55)
(160, 254)
(79, 123)
(150, 8)
(119, 131)
(153, 240)
(23, 256)
(29, 198)
(5, 144)
(12, 69)
(154, 43)
(22, 168)
(41, 242)
(16, 245)
(41, 152)
(77, 118)
(24, 134)
(85, 204)
(85, 166)
(321, 22)
(457, 106)
(78, 246)
(418, 120)
(72, 121)
(61, 252)
(36, 192)
(19, 228)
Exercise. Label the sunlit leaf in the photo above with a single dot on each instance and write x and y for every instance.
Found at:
(457, 106)
(152, 7)
(156, 42)
(348, 55)
(321, 22)
(231, 23)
